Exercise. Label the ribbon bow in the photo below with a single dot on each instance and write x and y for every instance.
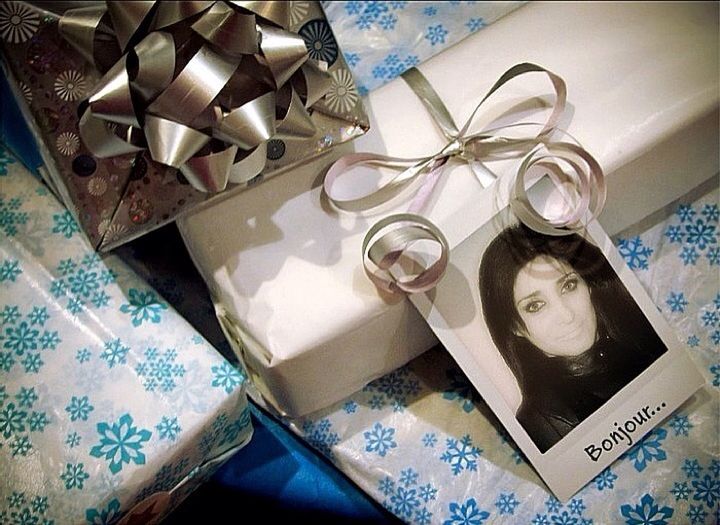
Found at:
(386, 241)
(202, 85)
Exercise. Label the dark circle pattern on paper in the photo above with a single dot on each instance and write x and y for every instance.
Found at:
(275, 149)
(138, 169)
(319, 41)
(84, 165)
(140, 211)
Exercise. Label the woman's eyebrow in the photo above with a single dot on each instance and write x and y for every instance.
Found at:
(528, 296)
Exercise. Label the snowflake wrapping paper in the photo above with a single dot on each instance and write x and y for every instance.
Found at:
(108, 398)
(421, 442)
(380, 40)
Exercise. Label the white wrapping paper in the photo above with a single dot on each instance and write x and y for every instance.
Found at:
(287, 276)
(111, 406)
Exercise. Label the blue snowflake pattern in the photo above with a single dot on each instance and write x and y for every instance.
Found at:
(144, 305)
(10, 216)
(352, 59)
(22, 339)
(388, 21)
(18, 420)
(461, 390)
(710, 318)
(675, 234)
(65, 225)
(707, 490)
(83, 355)
(38, 316)
(713, 256)
(646, 513)
(467, 513)
(430, 11)
(553, 504)
(379, 440)
(393, 65)
(105, 516)
(680, 490)
(224, 430)
(689, 255)
(350, 407)
(168, 428)
(577, 506)
(159, 370)
(227, 377)
(634, 252)
(436, 34)
(701, 234)
(461, 454)
(648, 450)
(693, 341)
(475, 24)
(121, 443)
(406, 498)
(677, 302)
(506, 503)
(429, 440)
(74, 476)
(320, 435)
(685, 212)
(404, 502)
(681, 425)
(605, 480)
(394, 389)
(79, 408)
(73, 440)
(9, 270)
(81, 281)
(115, 353)
(696, 514)
(692, 468)
(711, 212)
(715, 371)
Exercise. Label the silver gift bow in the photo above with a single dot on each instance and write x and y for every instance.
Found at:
(241, 78)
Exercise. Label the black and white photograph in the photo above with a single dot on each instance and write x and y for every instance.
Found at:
(564, 324)
(561, 342)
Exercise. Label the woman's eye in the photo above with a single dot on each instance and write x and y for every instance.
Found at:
(534, 306)
(570, 284)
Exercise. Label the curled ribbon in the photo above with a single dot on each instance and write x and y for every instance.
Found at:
(202, 85)
(386, 242)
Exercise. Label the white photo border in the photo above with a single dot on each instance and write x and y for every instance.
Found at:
(584, 452)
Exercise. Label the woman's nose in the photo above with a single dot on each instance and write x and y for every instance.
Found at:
(565, 313)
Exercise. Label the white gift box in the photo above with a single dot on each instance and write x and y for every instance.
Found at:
(285, 270)
(112, 407)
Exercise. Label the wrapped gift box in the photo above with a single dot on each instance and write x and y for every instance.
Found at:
(127, 193)
(288, 279)
(111, 405)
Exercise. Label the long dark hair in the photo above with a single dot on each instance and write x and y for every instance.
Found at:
(618, 317)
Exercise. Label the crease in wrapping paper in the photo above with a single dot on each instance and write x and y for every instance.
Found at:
(82, 369)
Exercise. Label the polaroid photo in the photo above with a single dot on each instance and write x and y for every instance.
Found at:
(561, 341)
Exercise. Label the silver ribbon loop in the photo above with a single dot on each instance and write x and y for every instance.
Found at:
(583, 201)
(389, 240)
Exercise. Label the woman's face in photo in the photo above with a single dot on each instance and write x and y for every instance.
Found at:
(554, 304)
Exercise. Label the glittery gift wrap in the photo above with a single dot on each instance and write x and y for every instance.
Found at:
(119, 198)
(111, 406)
